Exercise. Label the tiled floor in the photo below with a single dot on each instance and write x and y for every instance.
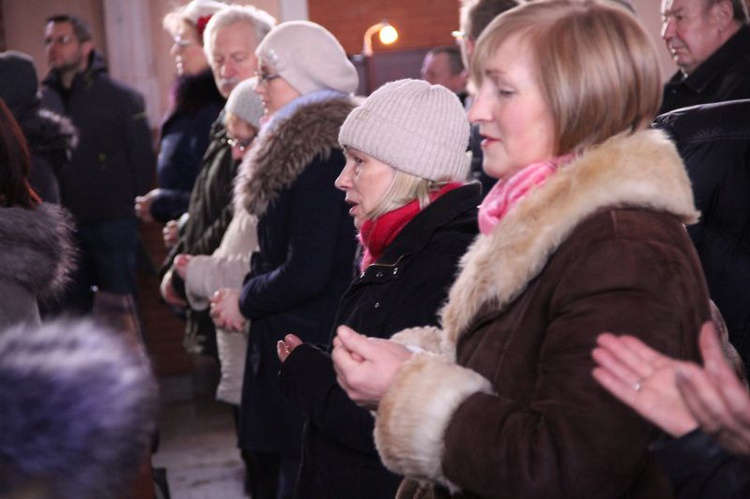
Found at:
(197, 444)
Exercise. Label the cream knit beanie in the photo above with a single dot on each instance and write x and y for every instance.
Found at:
(244, 103)
(308, 57)
(414, 127)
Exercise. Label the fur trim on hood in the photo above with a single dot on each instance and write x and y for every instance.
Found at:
(641, 170)
(37, 248)
(280, 156)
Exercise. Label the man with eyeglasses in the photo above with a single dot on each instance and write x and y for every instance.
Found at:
(229, 40)
(113, 163)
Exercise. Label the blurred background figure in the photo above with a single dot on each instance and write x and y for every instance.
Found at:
(444, 66)
(51, 137)
(228, 265)
(195, 102)
(230, 40)
(35, 237)
(78, 410)
(112, 164)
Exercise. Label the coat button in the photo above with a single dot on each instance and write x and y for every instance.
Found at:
(379, 274)
(395, 271)
(377, 304)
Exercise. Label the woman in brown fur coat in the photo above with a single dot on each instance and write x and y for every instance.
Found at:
(583, 233)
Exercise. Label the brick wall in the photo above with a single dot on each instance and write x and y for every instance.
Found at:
(3, 43)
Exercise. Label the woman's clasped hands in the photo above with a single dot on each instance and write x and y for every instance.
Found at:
(225, 310)
(366, 367)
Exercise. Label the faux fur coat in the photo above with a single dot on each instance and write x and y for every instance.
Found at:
(37, 257)
(504, 404)
(304, 261)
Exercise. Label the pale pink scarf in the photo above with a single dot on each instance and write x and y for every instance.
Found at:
(506, 193)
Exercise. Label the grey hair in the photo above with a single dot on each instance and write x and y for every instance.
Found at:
(739, 9)
(261, 21)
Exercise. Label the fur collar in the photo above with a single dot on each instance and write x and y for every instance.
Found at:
(639, 170)
(37, 248)
(280, 156)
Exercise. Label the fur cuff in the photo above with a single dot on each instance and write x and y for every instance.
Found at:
(427, 338)
(415, 412)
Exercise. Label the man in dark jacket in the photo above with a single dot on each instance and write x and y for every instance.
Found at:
(710, 42)
(114, 160)
(714, 142)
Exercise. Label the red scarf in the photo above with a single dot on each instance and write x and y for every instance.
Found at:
(505, 194)
(375, 235)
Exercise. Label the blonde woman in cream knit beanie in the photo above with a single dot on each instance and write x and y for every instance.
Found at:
(404, 184)
(419, 130)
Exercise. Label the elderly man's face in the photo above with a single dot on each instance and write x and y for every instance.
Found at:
(233, 55)
(692, 31)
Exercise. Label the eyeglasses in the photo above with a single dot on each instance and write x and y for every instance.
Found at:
(182, 42)
(264, 77)
(241, 144)
(60, 40)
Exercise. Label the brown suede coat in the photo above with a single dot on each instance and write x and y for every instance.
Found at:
(504, 404)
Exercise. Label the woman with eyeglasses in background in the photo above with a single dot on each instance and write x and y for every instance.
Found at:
(305, 258)
(195, 103)
(227, 266)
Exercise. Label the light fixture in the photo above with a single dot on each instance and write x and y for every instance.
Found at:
(387, 32)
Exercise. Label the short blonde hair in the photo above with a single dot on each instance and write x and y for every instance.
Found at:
(595, 62)
(404, 189)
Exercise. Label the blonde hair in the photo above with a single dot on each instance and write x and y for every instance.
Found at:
(404, 189)
(595, 62)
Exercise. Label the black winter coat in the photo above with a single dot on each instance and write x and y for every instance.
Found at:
(700, 469)
(304, 263)
(185, 135)
(114, 161)
(714, 142)
(722, 77)
(209, 214)
(404, 288)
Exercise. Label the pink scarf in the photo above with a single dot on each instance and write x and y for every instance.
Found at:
(506, 193)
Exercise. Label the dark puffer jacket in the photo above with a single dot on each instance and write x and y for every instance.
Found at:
(714, 142)
(115, 159)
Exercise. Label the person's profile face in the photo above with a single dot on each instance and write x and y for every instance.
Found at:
(240, 136)
(187, 51)
(691, 31)
(515, 121)
(365, 180)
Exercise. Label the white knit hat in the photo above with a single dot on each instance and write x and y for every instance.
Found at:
(308, 57)
(197, 13)
(414, 127)
(245, 103)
